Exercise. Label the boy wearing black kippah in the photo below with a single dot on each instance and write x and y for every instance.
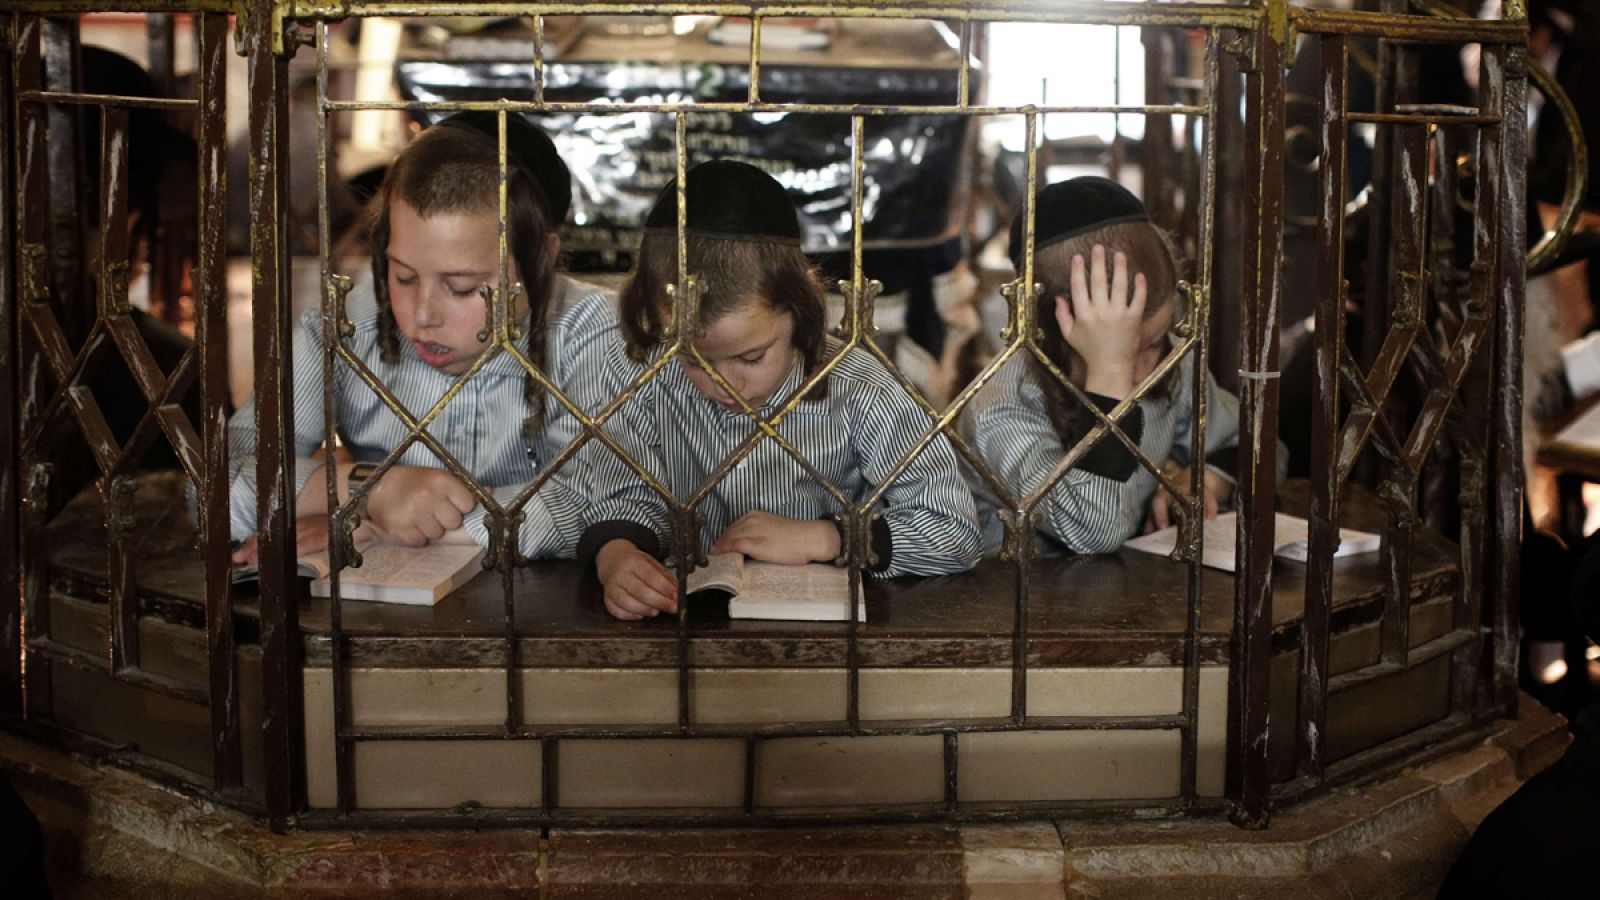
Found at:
(760, 328)
(1109, 301)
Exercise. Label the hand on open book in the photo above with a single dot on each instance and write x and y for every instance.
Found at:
(415, 504)
(637, 585)
(1215, 491)
(772, 538)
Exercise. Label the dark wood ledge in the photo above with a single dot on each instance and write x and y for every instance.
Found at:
(1124, 608)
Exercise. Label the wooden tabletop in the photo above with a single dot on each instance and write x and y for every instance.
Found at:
(1120, 608)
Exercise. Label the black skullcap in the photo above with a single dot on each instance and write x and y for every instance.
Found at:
(527, 148)
(1073, 207)
(730, 198)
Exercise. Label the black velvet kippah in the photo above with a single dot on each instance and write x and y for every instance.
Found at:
(527, 148)
(727, 197)
(1073, 207)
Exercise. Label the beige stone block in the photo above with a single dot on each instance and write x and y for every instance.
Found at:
(445, 774)
(932, 694)
(427, 698)
(850, 771)
(600, 696)
(321, 786)
(1068, 765)
(651, 773)
(766, 696)
(1211, 732)
(1106, 691)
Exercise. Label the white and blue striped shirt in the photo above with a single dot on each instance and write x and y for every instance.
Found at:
(1096, 507)
(853, 438)
(481, 427)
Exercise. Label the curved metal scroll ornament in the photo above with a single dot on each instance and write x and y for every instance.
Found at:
(1555, 240)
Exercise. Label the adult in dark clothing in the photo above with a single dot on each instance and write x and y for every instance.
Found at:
(1544, 841)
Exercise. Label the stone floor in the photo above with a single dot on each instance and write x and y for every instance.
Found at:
(113, 835)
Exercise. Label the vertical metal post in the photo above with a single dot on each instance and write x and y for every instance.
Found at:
(160, 37)
(1408, 216)
(1251, 656)
(1504, 79)
(1200, 321)
(33, 286)
(11, 704)
(211, 328)
(282, 701)
(1155, 150)
(1312, 726)
(112, 296)
(69, 207)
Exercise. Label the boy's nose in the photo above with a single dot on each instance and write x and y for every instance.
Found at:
(428, 308)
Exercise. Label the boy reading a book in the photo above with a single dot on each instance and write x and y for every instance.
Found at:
(421, 325)
(761, 327)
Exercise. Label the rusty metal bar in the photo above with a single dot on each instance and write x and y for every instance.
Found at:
(281, 708)
(160, 38)
(838, 109)
(1390, 25)
(211, 331)
(80, 98)
(1199, 323)
(1179, 14)
(33, 288)
(1409, 215)
(11, 699)
(1503, 80)
(1312, 723)
(1251, 656)
(68, 184)
(112, 297)
(332, 297)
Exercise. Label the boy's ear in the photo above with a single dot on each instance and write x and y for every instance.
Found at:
(552, 246)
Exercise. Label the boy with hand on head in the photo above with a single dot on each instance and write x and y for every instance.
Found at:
(761, 328)
(423, 323)
(1110, 298)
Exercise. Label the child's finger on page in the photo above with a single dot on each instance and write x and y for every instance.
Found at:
(1211, 504)
(1140, 293)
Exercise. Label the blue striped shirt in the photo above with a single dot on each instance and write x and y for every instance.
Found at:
(1009, 425)
(481, 427)
(853, 438)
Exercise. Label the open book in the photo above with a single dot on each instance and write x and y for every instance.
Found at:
(391, 572)
(1291, 540)
(816, 592)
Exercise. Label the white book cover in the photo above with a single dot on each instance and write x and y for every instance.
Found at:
(1291, 540)
(816, 592)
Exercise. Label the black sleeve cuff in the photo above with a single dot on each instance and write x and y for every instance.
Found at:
(1226, 459)
(882, 542)
(1109, 458)
(602, 533)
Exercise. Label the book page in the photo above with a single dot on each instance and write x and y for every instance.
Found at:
(1584, 431)
(723, 572)
(1291, 540)
(1218, 547)
(819, 582)
(391, 564)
